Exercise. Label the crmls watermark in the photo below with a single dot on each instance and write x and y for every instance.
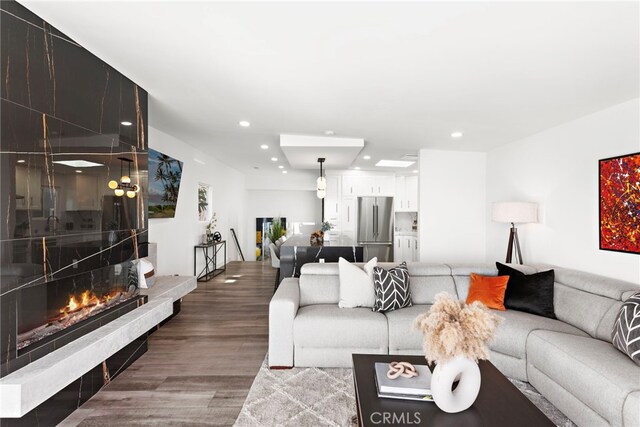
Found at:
(395, 418)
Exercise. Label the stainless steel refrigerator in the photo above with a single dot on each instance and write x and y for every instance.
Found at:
(375, 227)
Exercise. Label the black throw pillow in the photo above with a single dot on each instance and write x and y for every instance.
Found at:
(391, 288)
(531, 293)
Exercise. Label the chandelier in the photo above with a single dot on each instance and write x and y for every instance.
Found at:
(321, 182)
(124, 186)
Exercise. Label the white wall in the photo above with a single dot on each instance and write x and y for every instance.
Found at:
(295, 205)
(558, 168)
(177, 236)
(452, 218)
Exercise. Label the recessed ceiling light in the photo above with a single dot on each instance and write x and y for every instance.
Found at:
(456, 134)
(415, 171)
(394, 163)
(366, 157)
(284, 171)
(244, 123)
(274, 159)
(280, 167)
(126, 123)
(329, 132)
(357, 168)
(78, 171)
(264, 146)
(21, 161)
(77, 163)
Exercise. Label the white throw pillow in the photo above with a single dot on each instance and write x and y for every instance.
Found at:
(356, 284)
(145, 273)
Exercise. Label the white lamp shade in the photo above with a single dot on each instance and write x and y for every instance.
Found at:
(516, 212)
(321, 183)
(321, 194)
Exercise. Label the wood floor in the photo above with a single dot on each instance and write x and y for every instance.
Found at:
(200, 365)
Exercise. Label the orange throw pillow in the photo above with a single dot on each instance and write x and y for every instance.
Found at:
(489, 290)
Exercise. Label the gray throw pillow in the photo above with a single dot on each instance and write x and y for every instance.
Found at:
(626, 330)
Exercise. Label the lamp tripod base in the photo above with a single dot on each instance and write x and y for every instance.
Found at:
(514, 243)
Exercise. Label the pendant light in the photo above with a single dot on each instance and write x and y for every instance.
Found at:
(124, 186)
(321, 182)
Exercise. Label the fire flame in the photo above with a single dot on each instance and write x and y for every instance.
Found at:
(86, 300)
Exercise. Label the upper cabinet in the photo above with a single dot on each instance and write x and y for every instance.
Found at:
(367, 185)
(28, 188)
(406, 194)
(332, 200)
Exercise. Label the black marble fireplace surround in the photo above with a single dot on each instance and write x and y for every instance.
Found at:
(63, 232)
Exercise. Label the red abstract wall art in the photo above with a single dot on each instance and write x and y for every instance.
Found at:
(620, 203)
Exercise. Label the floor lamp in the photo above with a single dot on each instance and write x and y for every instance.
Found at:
(513, 213)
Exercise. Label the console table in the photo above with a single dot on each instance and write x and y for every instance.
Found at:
(210, 252)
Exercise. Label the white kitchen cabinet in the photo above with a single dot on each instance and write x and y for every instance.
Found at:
(348, 217)
(400, 202)
(406, 194)
(367, 185)
(28, 188)
(411, 193)
(332, 201)
(349, 185)
(414, 249)
(384, 186)
(87, 193)
(405, 249)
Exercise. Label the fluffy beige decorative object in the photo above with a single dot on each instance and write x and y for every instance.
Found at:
(452, 328)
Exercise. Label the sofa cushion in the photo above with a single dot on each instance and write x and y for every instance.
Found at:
(489, 290)
(356, 284)
(626, 331)
(329, 326)
(425, 288)
(402, 335)
(591, 370)
(392, 290)
(577, 293)
(532, 293)
(319, 284)
(511, 335)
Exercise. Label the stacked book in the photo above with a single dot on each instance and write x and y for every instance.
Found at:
(416, 388)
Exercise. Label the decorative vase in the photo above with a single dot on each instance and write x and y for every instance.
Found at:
(460, 369)
(317, 238)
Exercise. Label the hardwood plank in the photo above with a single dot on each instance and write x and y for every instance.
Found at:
(200, 365)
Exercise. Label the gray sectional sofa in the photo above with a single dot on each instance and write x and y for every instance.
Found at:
(569, 360)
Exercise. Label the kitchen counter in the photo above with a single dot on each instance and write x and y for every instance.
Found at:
(333, 241)
(297, 251)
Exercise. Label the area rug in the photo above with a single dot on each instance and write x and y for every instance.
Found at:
(314, 397)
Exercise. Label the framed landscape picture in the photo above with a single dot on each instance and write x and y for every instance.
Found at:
(620, 203)
(165, 174)
(204, 202)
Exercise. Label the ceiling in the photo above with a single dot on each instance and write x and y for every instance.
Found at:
(402, 76)
(305, 151)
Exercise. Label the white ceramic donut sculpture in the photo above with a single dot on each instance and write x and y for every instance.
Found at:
(445, 374)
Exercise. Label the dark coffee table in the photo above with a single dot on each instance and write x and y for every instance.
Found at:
(499, 402)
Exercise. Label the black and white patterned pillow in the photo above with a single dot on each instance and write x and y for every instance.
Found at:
(626, 331)
(391, 288)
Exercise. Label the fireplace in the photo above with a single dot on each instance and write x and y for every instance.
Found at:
(50, 310)
(39, 316)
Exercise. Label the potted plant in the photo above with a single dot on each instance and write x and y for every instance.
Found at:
(276, 230)
(455, 338)
(211, 226)
(317, 238)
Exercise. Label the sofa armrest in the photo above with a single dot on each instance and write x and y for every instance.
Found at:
(282, 310)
